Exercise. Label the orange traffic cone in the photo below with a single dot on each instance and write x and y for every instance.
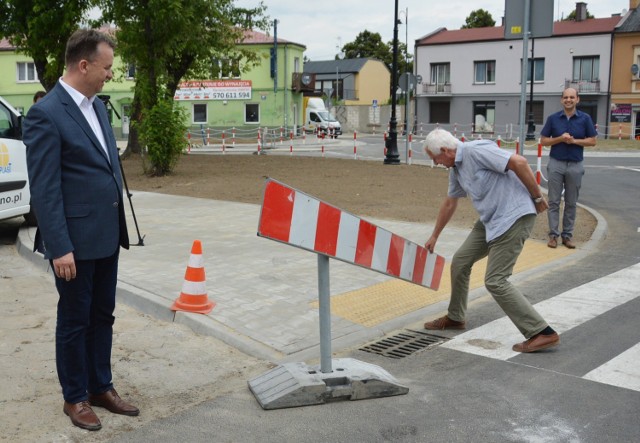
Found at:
(193, 297)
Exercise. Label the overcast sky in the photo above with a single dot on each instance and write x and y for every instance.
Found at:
(324, 24)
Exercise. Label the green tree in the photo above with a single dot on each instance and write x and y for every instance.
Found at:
(40, 30)
(169, 41)
(370, 45)
(479, 19)
(161, 132)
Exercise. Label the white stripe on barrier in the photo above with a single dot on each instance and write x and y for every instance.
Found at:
(347, 237)
(304, 221)
(429, 266)
(381, 250)
(408, 260)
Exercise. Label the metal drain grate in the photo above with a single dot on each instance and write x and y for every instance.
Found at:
(403, 344)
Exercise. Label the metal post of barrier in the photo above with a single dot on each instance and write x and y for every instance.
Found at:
(325, 313)
(620, 131)
(517, 145)
(281, 134)
(233, 137)
(189, 142)
(455, 130)
(304, 136)
(499, 141)
(208, 136)
(223, 142)
(291, 143)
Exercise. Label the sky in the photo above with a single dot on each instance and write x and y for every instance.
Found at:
(323, 26)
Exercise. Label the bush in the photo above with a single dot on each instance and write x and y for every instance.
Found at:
(162, 132)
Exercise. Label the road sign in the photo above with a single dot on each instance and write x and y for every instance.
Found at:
(540, 20)
(407, 81)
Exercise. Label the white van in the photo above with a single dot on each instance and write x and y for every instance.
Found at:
(14, 179)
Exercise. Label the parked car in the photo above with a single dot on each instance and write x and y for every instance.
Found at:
(15, 197)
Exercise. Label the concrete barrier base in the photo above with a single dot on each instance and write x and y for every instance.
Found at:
(295, 384)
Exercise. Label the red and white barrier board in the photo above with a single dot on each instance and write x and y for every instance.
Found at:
(298, 219)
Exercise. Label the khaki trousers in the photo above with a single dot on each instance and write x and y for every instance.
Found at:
(502, 254)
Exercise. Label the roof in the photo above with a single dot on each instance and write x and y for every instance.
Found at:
(252, 37)
(630, 22)
(347, 65)
(560, 28)
(5, 45)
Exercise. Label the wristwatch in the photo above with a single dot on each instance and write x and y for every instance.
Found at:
(537, 200)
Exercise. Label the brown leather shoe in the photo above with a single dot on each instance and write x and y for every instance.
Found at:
(112, 402)
(553, 242)
(82, 415)
(538, 343)
(568, 243)
(444, 323)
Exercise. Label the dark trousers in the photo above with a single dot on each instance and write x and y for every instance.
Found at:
(84, 328)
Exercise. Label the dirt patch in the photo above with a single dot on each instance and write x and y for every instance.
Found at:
(365, 188)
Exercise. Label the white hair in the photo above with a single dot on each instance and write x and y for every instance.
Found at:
(439, 138)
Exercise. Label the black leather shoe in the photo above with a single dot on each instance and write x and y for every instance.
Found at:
(82, 415)
(112, 402)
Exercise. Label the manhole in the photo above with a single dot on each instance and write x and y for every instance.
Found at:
(403, 344)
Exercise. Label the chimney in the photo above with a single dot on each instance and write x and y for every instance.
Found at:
(633, 4)
(581, 11)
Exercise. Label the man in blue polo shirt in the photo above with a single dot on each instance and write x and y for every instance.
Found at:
(567, 132)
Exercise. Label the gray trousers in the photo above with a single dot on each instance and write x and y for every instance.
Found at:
(502, 255)
(568, 176)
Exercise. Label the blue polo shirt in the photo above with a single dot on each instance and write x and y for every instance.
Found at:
(579, 126)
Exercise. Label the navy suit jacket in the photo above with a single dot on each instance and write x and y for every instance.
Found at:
(76, 190)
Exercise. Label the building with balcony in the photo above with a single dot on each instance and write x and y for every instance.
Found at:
(471, 78)
(625, 76)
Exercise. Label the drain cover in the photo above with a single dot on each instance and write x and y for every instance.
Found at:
(403, 344)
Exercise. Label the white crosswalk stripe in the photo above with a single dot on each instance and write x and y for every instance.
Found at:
(564, 312)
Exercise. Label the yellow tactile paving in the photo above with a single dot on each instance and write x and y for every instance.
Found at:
(384, 301)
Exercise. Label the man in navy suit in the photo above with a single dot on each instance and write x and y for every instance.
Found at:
(76, 190)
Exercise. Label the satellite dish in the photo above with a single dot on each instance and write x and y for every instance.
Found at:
(634, 69)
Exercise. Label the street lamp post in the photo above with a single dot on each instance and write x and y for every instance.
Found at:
(531, 127)
(392, 157)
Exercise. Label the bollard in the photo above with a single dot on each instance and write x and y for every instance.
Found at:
(291, 143)
(355, 149)
(410, 148)
(223, 145)
(539, 165)
(208, 136)
(259, 144)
